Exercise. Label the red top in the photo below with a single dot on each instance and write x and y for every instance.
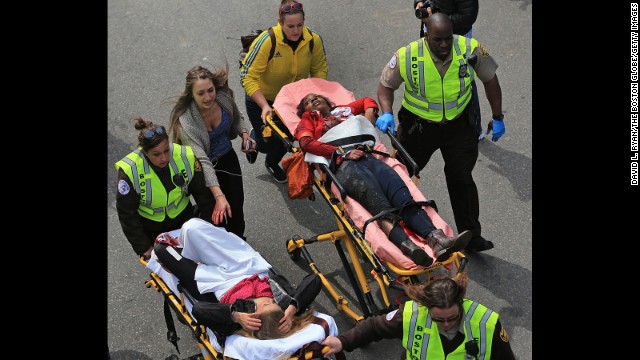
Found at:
(251, 287)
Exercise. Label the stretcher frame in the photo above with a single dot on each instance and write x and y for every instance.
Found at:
(354, 241)
(200, 334)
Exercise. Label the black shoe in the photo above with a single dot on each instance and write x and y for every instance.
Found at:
(277, 172)
(479, 244)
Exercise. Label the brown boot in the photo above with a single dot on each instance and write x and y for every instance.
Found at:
(415, 253)
(444, 246)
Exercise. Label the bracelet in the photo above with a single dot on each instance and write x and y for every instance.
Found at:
(219, 195)
(244, 132)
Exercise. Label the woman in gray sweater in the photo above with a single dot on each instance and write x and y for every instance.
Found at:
(206, 117)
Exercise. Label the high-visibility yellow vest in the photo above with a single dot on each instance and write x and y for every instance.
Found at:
(155, 202)
(426, 93)
(421, 339)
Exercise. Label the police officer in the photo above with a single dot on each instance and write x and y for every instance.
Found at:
(437, 72)
(463, 13)
(437, 323)
(154, 184)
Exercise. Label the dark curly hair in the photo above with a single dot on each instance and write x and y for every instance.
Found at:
(301, 109)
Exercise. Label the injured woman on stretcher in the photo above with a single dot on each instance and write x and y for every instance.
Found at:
(335, 135)
(237, 290)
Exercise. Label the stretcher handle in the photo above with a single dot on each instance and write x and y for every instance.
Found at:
(331, 175)
(396, 144)
(463, 265)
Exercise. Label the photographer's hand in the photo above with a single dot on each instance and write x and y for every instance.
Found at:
(421, 4)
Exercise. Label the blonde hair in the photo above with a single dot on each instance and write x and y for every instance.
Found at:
(271, 320)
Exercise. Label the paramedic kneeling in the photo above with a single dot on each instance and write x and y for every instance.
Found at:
(437, 322)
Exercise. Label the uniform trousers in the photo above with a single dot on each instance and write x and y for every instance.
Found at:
(458, 142)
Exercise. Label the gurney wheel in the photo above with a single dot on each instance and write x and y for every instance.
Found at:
(295, 254)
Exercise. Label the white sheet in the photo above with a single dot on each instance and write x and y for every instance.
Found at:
(240, 347)
(218, 251)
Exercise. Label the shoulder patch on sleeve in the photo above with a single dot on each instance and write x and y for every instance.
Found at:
(503, 335)
(123, 187)
(393, 62)
(197, 166)
(391, 315)
(483, 51)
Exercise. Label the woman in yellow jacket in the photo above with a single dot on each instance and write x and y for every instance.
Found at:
(297, 54)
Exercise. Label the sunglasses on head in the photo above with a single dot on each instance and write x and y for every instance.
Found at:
(287, 8)
(151, 133)
(450, 319)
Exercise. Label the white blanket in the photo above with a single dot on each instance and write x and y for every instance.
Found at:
(355, 125)
(224, 258)
(240, 347)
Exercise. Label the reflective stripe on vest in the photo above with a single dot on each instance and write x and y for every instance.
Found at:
(426, 97)
(418, 328)
(155, 202)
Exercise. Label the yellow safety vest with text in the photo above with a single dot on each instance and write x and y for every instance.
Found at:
(155, 202)
(421, 339)
(426, 93)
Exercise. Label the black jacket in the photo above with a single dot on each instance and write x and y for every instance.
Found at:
(463, 13)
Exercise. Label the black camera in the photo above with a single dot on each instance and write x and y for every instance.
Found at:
(422, 12)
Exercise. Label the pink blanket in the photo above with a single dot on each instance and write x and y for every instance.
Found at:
(286, 103)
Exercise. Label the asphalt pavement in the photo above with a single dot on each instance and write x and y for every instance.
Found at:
(152, 44)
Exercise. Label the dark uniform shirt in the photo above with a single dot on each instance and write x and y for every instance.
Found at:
(141, 232)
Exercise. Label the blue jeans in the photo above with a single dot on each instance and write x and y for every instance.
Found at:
(377, 187)
(274, 148)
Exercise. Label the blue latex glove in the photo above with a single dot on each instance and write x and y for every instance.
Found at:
(497, 126)
(384, 121)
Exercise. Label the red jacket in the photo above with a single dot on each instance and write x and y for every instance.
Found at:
(311, 127)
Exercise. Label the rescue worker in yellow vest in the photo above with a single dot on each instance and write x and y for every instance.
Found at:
(154, 185)
(436, 111)
(437, 323)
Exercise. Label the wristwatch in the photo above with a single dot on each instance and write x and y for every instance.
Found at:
(499, 117)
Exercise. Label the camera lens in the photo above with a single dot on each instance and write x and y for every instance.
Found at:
(422, 13)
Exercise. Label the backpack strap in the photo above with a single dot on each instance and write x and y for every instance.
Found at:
(273, 43)
(311, 42)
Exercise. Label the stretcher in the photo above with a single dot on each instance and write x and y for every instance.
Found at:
(304, 344)
(358, 239)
